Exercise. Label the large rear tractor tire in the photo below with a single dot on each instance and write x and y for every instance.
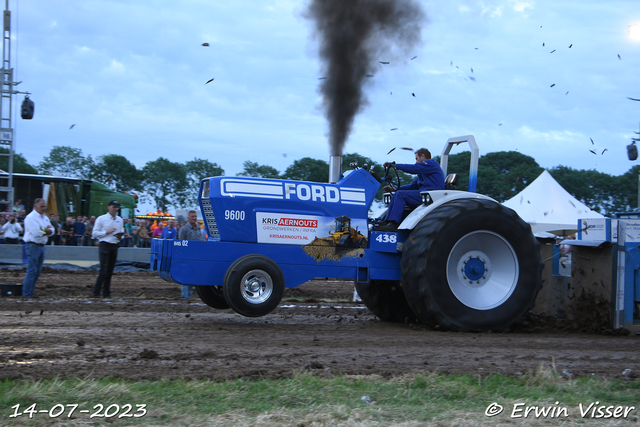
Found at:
(471, 265)
(213, 296)
(385, 299)
(253, 285)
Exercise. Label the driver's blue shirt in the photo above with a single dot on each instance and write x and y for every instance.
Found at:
(430, 175)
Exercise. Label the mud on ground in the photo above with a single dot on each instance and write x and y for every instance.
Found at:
(147, 331)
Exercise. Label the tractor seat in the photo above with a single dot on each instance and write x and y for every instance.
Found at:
(449, 184)
(451, 181)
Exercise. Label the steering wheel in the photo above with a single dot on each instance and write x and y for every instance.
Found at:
(394, 182)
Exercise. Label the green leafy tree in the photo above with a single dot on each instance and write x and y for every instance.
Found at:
(459, 163)
(166, 183)
(66, 162)
(253, 169)
(348, 159)
(308, 169)
(197, 169)
(625, 190)
(361, 161)
(116, 169)
(503, 174)
(20, 164)
(595, 189)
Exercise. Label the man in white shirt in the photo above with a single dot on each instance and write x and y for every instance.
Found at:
(108, 229)
(12, 230)
(37, 229)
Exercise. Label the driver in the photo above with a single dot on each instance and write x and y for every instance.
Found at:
(430, 177)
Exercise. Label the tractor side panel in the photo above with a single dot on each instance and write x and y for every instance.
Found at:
(205, 263)
(253, 210)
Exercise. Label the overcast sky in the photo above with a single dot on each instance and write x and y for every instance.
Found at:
(131, 77)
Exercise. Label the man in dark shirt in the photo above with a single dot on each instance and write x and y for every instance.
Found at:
(88, 230)
(190, 231)
(54, 239)
(79, 228)
(66, 231)
(430, 177)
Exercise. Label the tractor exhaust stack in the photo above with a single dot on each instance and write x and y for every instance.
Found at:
(335, 169)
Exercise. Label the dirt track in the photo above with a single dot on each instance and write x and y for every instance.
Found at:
(147, 331)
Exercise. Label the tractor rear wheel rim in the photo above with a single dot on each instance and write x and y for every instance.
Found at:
(482, 270)
(256, 286)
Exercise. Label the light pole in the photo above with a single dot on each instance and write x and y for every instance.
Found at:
(7, 90)
(634, 33)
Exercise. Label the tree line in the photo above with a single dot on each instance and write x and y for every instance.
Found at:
(501, 175)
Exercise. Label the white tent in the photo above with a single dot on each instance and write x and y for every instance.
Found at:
(548, 207)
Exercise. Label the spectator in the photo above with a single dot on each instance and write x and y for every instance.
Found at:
(79, 229)
(157, 232)
(18, 206)
(190, 231)
(66, 232)
(21, 216)
(16, 216)
(170, 232)
(135, 240)
(108, 229)
(143, 237)
(54, 239)
(12, 230)
(37, 228)
(127, 233)
(88, 238)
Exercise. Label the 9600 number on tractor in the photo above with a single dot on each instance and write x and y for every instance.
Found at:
(459, 261)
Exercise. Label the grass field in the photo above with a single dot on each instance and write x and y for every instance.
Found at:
(307, 400)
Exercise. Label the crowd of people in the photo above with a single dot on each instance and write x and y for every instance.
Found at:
(78, 231)
(108, 232)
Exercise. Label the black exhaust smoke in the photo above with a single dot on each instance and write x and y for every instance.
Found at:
(354, 36)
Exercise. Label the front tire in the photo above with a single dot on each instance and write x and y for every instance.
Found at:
(386, 299)
(213, 296)
(253, 285)
(471, 265)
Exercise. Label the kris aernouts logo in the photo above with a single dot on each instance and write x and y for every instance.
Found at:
(582, 410)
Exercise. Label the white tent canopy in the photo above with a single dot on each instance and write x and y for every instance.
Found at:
(548, 207)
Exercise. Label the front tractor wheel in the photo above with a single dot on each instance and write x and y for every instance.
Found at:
(386, 299)
(253, 285)
(212, 296)
(471, 265)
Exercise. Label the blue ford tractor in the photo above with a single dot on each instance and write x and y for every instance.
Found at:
(459, 261)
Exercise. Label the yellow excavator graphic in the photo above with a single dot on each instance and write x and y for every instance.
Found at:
(342, 235)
